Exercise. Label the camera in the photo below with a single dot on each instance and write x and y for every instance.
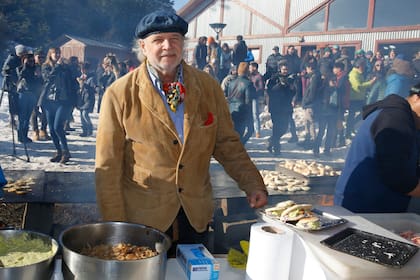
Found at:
(293, 76)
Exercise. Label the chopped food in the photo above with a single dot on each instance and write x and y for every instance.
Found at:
(24, 250)
(120, 252)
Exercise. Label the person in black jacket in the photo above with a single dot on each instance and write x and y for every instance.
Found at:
(58, 99)
(86, 99)
(9, 72)
(281, 89)
(381, 171)
(240, 92)
(310, 102)
(26, 88)
(332, 100)
(240, 51)
(200, 53)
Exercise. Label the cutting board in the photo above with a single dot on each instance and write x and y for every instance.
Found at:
(343, 266)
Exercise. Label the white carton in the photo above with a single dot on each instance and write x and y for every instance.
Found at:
(197, 262)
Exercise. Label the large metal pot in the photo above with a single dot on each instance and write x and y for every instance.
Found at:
(81, 267)
(41, 270)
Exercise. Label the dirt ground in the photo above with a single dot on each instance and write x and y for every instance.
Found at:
(12, 215)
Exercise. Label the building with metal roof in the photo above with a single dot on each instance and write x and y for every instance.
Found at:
(91, 50)
(376, 25)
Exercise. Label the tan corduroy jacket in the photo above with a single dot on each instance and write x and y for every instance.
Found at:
(144, 174)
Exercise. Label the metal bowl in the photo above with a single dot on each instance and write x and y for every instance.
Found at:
(40, 270)
(81, 267)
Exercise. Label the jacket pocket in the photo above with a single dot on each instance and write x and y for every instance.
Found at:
(205, 124)
(142, 176)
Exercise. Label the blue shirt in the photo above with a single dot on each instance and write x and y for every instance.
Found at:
(178, 116)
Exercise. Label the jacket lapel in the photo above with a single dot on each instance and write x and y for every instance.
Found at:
(192, 99)
(151, 99)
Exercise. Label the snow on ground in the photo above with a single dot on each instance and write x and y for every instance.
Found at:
(82, 149)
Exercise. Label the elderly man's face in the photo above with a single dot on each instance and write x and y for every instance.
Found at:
(163, 50)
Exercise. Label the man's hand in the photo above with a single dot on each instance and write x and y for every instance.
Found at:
(257, 199)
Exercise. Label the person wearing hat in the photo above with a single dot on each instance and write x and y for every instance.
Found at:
(326, 63)
(335, 52)
(399, 77)
(9, 72)
(271, 65)
(159, 126)
(27, 86)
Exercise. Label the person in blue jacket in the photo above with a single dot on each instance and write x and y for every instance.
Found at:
(381, 171)
(399, 78)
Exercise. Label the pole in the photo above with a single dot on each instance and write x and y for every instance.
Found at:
(12, 123)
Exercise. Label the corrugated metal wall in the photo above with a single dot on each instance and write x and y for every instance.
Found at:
(260, 22)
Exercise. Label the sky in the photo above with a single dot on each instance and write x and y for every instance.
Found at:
(179, 3)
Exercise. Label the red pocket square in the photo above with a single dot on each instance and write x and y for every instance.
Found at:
(209, 120)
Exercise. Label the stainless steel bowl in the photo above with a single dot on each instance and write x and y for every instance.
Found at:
(40, 270)
(81, 267)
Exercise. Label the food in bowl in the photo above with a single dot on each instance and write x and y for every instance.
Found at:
(120, 252)
(24, 249)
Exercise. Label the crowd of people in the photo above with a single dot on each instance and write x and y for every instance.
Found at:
(330, 86)
(44, 89)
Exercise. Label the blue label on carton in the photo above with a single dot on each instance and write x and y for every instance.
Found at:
(197, 262)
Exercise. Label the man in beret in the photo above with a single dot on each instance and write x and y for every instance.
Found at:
(158, 128)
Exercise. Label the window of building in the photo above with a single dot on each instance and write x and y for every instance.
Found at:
(346, 14)
(396, 13)
(315, 23)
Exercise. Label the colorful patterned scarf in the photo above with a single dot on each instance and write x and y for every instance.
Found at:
(175, 94)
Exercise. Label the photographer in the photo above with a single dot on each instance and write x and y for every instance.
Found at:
(9, 72)
(26, 89)
(281, 89)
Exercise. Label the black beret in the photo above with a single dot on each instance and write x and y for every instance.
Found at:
(161, 21)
